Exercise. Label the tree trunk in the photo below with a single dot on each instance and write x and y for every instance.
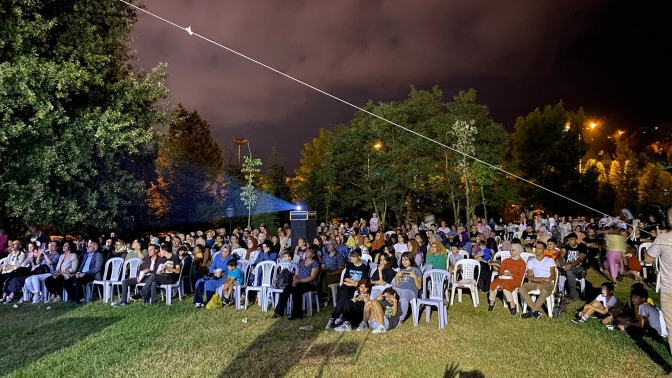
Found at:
(485, 211)
(466, 183)
(249, 215)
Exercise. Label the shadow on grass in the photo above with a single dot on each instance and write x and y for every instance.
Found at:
(648, 346)
(23, 343)
(275, 352)
(453, 371)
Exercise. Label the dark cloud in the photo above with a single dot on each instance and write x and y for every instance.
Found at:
(510, 51)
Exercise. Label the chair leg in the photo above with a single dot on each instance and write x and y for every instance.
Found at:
(452, 295)
(169, 295)
(415, 311)
(247, 292)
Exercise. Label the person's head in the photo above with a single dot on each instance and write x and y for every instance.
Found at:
(552, 243)
(301, 243)
(528, 228)
(481, 243)
(554, 229)
(176, 241)
(541, 246)
(529, 248)
(108, 243)
(311, 252)
(355, 255)
(384, 260)
(166, 250)
(607, 289)
(454, 249)
(331, 246)
(407, 260)
(515, 250)
(119, 244)
(32, 247)
(572, 240)
(287, 256)
(92, 246)
(152, 250)
(33, 229)
(453, 228)
(68, 247)
(639, 295)
(224, 252)
(364, 286)
(266, 246)
(53, 246)
(389, 294)
(182, 252)
(232, 265)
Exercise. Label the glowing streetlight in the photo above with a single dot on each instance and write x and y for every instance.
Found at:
(620, 132)
(592, 125)
(378, 146)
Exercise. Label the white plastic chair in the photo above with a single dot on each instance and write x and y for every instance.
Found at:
(562, 282)
(464, 254)
(501, 256)
(273, 293)
(433, 294)
(241, 252)
(265, 270)
(526, 256)
(640, 256)
(114, 274)
(468, 280)
(130, 266)
(334, 287)
(372, 269)
(169, 289)
(244, 266)
(657, 262)
(550, 301)
(366, 257)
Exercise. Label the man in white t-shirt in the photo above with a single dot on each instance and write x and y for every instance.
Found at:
(541, 276)
(661, 249)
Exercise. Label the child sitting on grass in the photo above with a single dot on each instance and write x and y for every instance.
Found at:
(602, 305)
(648, 321)
(383, 314)
(234, 277)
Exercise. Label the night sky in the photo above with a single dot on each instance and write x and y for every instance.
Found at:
(611, 57)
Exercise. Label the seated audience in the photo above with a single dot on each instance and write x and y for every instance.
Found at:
(510, 277)
(67, 266)
(355, 270)
(166, 274)
(145, 270)
(305, 280)
(407, 282)
(540, 276)
(89, 270)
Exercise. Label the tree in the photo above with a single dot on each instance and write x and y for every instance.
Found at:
(276, 177)
(655, 185)
(464, 133)
(623, 177)
(247, 193)
(189, 167)
(547, 149)
(317, 190)
(74, 113)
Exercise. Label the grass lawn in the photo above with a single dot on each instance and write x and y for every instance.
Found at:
(97, 340)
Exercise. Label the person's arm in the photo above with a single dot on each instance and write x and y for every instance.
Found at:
(97, 264)
(337, 271)
(313, 275)
(653, 252)
(395, 306)
(418, 280)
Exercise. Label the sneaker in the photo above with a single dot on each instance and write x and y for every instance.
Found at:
(345, 327)
(8, 299)
(537, 315)
(362, 327)
(526, 315)
(380, 329)
(57, 299)
(578, 321)
(120, 304)
(513, 311)
(37, 299)
(330, 324)
(491, 308)
(338, 321)
(226, 301)
(136, 297)
(583, 274)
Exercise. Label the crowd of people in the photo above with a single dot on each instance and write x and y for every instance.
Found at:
(377, 273)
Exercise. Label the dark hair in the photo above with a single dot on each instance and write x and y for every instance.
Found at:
(392, 292)
(288, 253)
(542, 243)
(552, 240)
(367, 284)
(640, 291)
(167, 247)
(515, 241)
(232, 262)
(608, 285)
(153, 245)
(387, 258)
(356, 251)
(410, 259)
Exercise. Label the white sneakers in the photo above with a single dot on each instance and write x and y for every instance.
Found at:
(381, 329)
(330, 324)
(362, 327)
(37, 298)
(345, 327)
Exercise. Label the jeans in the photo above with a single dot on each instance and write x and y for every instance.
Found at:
(34, 283)
(73, 286)
(572, 275)
(149, 290)
(343, 295)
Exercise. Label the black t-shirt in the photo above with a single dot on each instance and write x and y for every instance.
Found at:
(532, 235)
(176, 264)
(393, 320)
(356, 273)
(573, 253)
(472, 237)
(388, 275)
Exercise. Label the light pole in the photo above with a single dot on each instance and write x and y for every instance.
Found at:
(376, 146)
(229, 214)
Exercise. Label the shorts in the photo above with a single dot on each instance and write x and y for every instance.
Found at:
(373, 324)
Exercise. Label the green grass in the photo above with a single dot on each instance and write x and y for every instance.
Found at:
(96, 340)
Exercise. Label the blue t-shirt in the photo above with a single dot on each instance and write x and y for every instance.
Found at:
(236, 274)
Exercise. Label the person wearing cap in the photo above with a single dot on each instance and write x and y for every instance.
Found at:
(573, 257)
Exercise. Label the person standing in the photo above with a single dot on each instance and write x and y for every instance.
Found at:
(373, 223)
(661, 249)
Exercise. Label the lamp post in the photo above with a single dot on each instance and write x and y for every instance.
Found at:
(229, 214)
(376, 146)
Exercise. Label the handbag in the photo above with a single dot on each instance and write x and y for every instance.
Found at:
(284, 278)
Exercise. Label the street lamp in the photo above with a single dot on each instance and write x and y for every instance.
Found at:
(229, 214)
(376, 146)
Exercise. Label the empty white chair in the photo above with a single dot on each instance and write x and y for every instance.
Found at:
(433, 294)
(264, 273)
(334, 287)
(366, 257)
(501, 256)
(111, 273)
(640, 256)
(128, 270)
(468, 279)
(549, 301)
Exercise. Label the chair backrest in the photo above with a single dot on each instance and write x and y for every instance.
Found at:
(502, 255)
(366, 257)
(372, 268)
(526, 256)
(518, 234)
(244, 266)
(115, 272)
(296, 259)
(437, 279)
(287, 265)
(463, 253)
(468, 267)
(130, 266)
(241, 252)
(264, 270)
(642, 247)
